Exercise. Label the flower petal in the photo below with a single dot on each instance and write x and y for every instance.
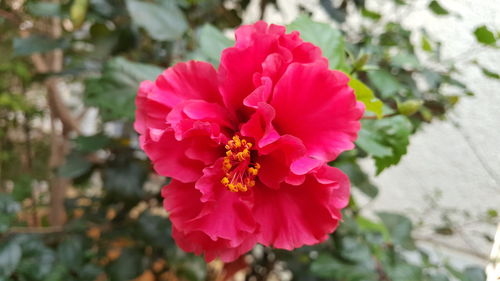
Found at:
(276, 159)
(169, 157)
(294, 216)
(199, 243)
(228, 216)
(316, 105)
(259, 126)
(187, 80)
(149, 113)
(240, 63)
(197, 117)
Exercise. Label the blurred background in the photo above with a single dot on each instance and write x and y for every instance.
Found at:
(79, 200)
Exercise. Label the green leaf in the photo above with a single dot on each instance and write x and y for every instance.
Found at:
(484, 35)
(474, 274)
(438, 277)
(38, 260)
(10, 256)
(115, 91)
(399, 227)
(489, 73)
(366, 96)
(8, 208)
(386, 84)
(426, 44)
(370, 14)
(330, 40)
(405, 60)
(212, 41)
(161, 22)
(437, 9)
(410, 107)
(70, 252)
(386, 140)
(44, 9)
(492, 213)
(22, 188)
(367, 225)
(37, 44)
(91, 143)
(354, 250)
(358, 178)
(372, 144)
(327, 267)
(154, 229)
(78, 12)
(58, 273)
(75, 165)
(405, 271)
(123, 179)
(89, 272)
(126, 267)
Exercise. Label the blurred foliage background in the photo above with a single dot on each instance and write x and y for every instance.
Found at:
(79, 200)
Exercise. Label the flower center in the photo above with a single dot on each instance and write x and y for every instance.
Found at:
(239, 170)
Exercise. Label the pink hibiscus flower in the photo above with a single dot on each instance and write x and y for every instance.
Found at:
(247, 145)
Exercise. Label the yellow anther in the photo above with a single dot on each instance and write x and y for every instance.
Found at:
(246, 153)
(238, 167)
(232, 187)
(253, 171)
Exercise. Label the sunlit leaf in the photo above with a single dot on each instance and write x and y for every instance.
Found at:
(366, 96)
(426, 44)
(410, 107)
(437, 9)
(484, 35)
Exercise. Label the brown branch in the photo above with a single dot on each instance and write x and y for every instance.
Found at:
(58, 108)
(40, 230)
(10, 17)
(53, 62)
